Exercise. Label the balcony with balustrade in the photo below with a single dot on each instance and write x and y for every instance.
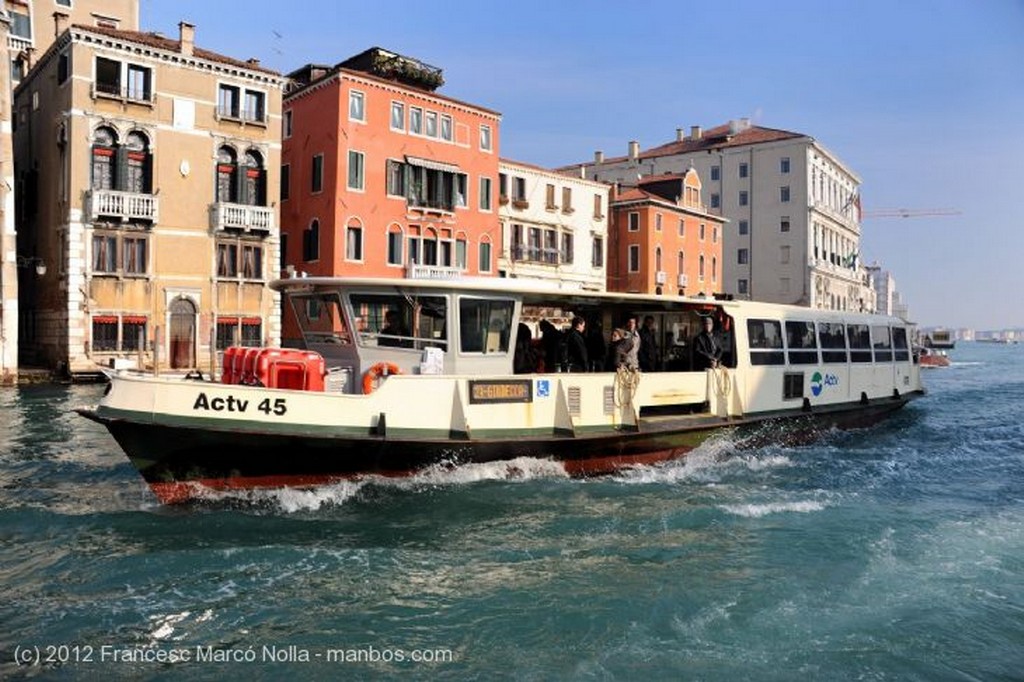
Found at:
(245, 217)
(125, 207)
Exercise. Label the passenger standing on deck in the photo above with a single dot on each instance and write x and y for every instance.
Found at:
(633, 336)
(648, 346)
(618, 350)
(707, 353)
(576, 346)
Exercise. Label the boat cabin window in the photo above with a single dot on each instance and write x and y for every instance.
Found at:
(485, 325)
(860, 342)
(765, 339)
(802, 343)
(320, 318)
(881, 342)
(832, 339)
(400, 321)
(899, 343)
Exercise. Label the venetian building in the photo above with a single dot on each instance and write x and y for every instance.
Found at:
(554, 228)
(793, 232)
(144, 168)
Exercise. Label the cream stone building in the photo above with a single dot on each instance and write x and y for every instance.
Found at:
(146, 178)
(792, 208)
(554, 227)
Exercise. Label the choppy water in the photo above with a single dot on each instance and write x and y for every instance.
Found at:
(894, 553)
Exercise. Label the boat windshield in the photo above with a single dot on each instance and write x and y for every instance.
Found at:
(319, 315)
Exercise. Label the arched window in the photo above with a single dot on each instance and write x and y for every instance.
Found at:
(255, 186)
(395, 240)
(657, 259)
(104, 152)
(430, 247)
(227, 175)
(138, 164)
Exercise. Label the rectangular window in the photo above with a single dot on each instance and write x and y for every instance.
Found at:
(784, 164)
(317, 184)
(355, 170)
(395, 171)
(716, 173)
(701, 229)
(784, 255)
(485, 194)
(744, 227)
(398, 116)
(743, 198)
(744, 170)
(743, 256)
(286, 179)
(461, 190)
(597, 253)
(485, 256)
(228, 101)
(460, 254)
(485, 138)
(598, 213)
(104, 254)
(446, 128)
(801, 343)
(634, 222)
(657, 222)
(784, 224)
(288, 123)
(550, 197)
(518, 189)
(765, 340)
(255, 106)
(354, 243)
(139, 78)
(792, 385)
(899, 343)
(743, 286)
(133, 333)
(416, 120)
(104, 333)
(108, 76)
(567, 200)
(431, 126)
(716, 201)
(134, 251)
(859, 338)
(832, 339)
(881, 341)
(484, 326)
(682, 227)
(567, 248)
(784, 194)
(227, 259)
(252, 261)
(634, 258)
(356, 106)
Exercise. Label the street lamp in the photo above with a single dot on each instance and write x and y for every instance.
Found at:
(29, 261)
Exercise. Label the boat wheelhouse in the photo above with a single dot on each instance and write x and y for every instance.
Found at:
(386, 377)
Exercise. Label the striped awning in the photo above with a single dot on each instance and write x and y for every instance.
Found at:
(432, 165)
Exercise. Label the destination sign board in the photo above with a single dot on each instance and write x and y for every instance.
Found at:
(499, 391)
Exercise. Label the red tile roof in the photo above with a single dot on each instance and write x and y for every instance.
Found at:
(163, 43)
(713, 138)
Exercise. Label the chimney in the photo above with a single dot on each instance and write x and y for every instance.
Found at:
(679, 135)
(61, 21)
(188, 38)
(634, 149)
(696, 133)
(252, 61)
(599, 157)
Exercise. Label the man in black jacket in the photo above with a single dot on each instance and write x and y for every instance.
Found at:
(707, 353)
(576, 346)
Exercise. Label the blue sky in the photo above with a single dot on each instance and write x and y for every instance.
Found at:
(923, 99)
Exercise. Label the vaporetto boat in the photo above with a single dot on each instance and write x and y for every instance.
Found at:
(387, 377)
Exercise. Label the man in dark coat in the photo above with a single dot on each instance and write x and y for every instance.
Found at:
(648, 346)
(707, 353)
(576, 346)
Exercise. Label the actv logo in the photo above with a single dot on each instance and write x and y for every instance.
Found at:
(819, 382)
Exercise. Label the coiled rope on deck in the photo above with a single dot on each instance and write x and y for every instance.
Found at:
(626, 382)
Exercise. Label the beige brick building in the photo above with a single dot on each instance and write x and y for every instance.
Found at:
(144, 175)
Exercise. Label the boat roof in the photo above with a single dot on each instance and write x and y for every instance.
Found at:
(537, 291)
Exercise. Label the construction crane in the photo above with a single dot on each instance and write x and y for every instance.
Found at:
(907, 213)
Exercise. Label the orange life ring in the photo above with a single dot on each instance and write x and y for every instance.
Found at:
(376, 372)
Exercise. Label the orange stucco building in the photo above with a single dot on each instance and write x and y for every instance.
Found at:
(662, 239)
(383, 177)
